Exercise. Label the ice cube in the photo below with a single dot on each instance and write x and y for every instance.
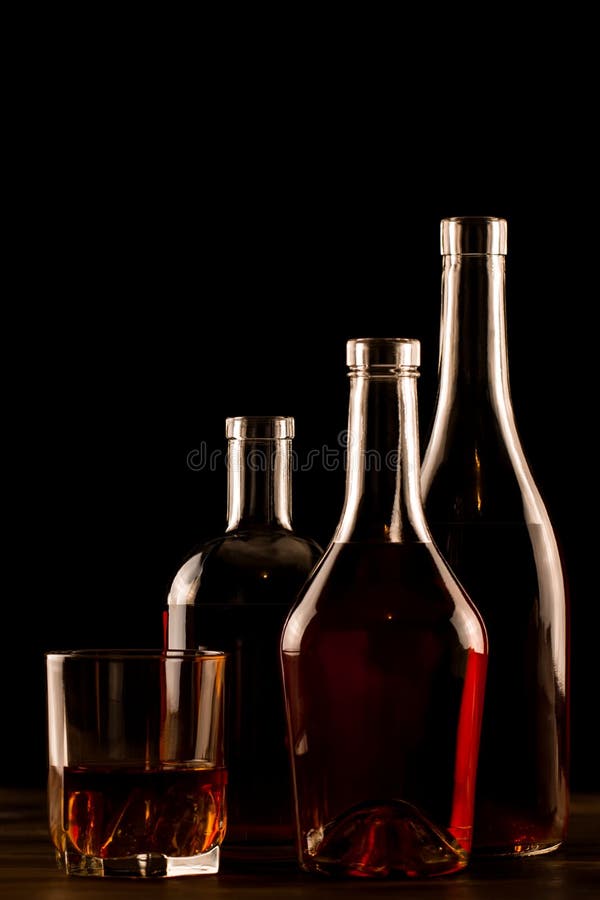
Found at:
(188, 822)
(130, 829)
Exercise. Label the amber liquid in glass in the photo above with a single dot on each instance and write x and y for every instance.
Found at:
(116, 813)
(382, 671)
(520, 802)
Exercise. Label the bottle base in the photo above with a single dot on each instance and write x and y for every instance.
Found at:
(383, 840)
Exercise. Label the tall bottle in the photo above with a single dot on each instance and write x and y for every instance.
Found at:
(234, 595)
(383, 657)
(489, 521)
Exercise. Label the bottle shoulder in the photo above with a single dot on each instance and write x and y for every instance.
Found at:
(373, 586)
(461, 431)
(260, 566)
(475, 469)
(275, 547)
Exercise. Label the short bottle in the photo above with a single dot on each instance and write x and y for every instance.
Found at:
(489, 521)
(234, 595)
(383, 658)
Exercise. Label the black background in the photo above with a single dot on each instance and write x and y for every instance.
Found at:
(186, 254)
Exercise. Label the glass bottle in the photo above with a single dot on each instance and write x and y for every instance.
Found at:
(383, 657)
(234, 595)
(489, 521)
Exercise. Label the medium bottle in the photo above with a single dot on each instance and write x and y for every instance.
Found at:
(234, 595)
(490, 523)
(383, 658)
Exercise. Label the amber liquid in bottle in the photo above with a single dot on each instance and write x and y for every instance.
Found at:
(388, 677)
(384, 663)
(489, 521)
(234, 595)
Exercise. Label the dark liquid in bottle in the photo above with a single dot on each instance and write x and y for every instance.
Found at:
(521, 801)
(255, 579)
(114, 813)
(384, 687)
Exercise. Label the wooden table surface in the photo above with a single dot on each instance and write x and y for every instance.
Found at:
(28, 870)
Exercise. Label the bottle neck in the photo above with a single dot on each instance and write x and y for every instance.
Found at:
(474, 423)
(383, 493)
(259, 484)
(473, 351)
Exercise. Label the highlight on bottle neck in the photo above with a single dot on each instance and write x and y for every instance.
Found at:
(259, 464)
(473, 236)
(382, 500)
(383, 356)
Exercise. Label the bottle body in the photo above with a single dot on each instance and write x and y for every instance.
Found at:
(384, 692)
(489, 521)
(235, 594)
(383, 660)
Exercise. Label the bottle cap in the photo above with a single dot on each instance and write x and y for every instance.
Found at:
(473, 236)
(395, 354)
(265, 428)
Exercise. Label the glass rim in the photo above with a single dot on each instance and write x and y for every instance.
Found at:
(259, 428)
(395, 355)
(128, 653)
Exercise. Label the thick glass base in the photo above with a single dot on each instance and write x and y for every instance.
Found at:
(141, 865)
